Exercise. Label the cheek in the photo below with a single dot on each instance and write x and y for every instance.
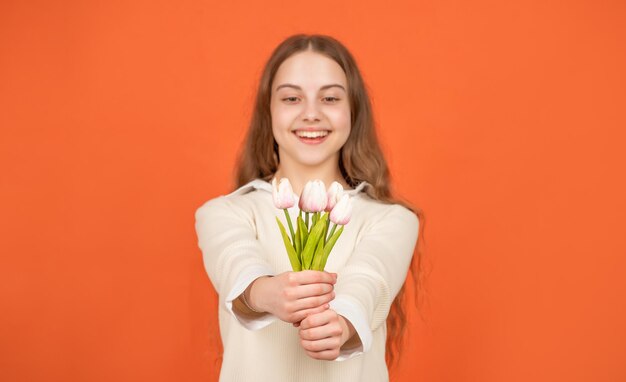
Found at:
(341, 119)
(282, 121)
(283, 117)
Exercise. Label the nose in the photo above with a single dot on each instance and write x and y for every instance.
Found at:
(311, 113)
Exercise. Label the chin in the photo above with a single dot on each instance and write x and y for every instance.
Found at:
(309, 161)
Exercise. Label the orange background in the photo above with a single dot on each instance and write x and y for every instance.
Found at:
(504, 121)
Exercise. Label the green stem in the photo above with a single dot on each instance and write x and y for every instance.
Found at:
(326, 231)
(332, 231)
(293, 235)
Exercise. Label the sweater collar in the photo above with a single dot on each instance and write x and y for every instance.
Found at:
(260, 184)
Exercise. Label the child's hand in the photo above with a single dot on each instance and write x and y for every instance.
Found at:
(291, 296)
(323, 334)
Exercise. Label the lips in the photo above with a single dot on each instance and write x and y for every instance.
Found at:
(312, 136)
(312, 129)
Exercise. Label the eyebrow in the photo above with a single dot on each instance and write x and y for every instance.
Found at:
(299, 88)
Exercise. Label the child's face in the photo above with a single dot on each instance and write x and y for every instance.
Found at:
(310, 93)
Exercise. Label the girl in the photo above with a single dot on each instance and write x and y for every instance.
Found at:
(312, 120)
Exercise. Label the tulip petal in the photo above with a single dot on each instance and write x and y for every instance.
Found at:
(282, 193)
(313, 198)
(334, 193)
(342, 211)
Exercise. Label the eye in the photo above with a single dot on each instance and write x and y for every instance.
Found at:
(331, 99)
(290, 99)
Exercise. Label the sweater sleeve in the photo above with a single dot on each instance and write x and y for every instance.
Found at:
(374, 274)
(232, 254)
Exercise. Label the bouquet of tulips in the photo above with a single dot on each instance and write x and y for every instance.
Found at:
(310, 244)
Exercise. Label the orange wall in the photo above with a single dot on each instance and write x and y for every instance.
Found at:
(504, 121)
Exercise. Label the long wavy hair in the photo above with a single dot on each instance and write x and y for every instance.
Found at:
(361, 158)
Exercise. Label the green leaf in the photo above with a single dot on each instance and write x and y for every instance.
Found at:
(304, 235)
(326, 230)
(298, 240)
(329, 246)
(293, 236)
(319, 255)
(311, 243)
(293, 257)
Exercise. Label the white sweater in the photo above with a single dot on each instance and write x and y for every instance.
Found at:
(240, 241)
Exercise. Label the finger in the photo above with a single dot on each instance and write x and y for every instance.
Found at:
(321, 332)
(317, 319)
(328, 355)
(316, 289)
(313, 334)
(313, 302)
(320, 345)
(302, 314)
(313, 277)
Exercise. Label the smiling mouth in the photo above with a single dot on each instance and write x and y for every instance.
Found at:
(311, 134)
(312, 137)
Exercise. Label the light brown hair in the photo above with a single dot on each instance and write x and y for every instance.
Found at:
(361, 158)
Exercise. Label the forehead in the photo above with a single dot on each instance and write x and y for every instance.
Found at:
(309, 70)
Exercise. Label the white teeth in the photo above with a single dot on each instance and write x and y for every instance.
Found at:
(311, 134)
